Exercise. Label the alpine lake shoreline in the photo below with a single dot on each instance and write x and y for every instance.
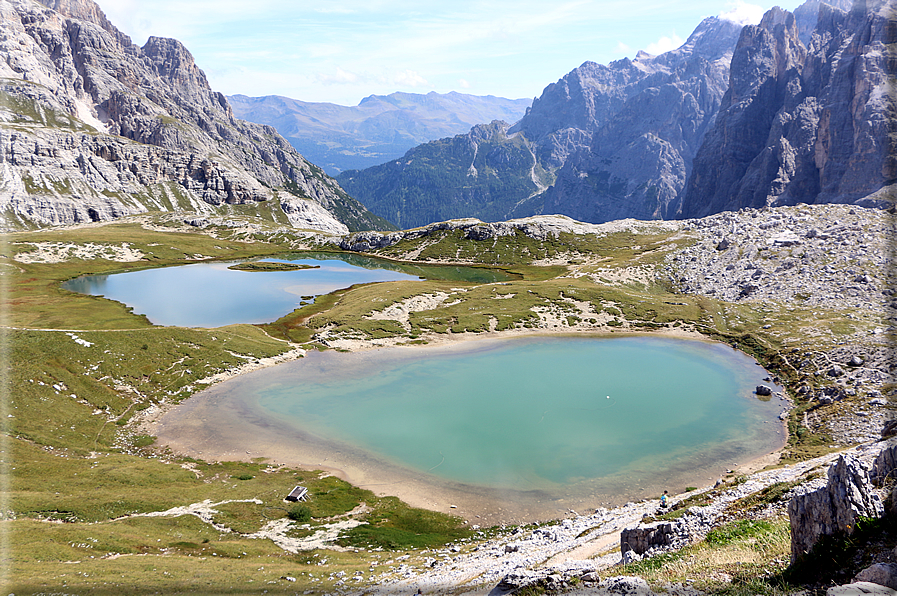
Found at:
(83, 425)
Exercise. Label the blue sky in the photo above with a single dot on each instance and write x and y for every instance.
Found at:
(341, 51)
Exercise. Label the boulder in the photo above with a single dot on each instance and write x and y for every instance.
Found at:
(833, 508)
(763, 390)
(645, 537)
(883, 574)
(628, 586)
(860, 589)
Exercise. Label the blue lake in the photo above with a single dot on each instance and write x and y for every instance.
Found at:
(538, 420)
(211, 295)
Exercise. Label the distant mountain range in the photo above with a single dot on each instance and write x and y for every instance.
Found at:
(380, 128)
(795, 109)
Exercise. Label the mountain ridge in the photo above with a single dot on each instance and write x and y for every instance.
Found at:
(94, 127)
(560, 127)
(379, 128)
(620, 140)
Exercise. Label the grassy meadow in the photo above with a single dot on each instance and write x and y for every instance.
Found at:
(79, 480)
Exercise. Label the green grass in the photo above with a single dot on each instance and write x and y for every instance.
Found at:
(738, 531)
(751, 554)
(78, 461)
(266, 266)
(392, 525)
(114, 377)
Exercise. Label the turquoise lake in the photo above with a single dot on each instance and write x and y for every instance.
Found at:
(211, 295)
(535, 418)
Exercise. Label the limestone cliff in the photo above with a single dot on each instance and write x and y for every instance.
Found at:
(637, 161)
(797, 109)
(803, 123)
(93, 127)
(603, 142)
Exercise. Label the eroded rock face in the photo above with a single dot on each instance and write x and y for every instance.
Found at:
(93, 127)
(833, 508)
(645, 537)
(802, 121)
(638, 158)
(604, 142)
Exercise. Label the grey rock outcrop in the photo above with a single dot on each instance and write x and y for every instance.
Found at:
(620, 585)
(834, 508)
(645, 537)
(882, 574)
(604, 142)
(806, 118)
(93, 127)
(860, 589)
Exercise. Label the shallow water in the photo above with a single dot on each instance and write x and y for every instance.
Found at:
(211, 295)
(535, 419)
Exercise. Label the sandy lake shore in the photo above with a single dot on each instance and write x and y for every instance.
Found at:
(214, 427)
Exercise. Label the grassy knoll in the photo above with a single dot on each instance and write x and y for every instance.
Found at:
(266, 266)
(78, 394)
(77, 475)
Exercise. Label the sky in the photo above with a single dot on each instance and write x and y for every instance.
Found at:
(341, 51)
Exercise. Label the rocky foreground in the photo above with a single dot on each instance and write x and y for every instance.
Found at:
(574, 551)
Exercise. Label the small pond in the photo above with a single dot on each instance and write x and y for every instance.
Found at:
(212, 295)
(539, 421)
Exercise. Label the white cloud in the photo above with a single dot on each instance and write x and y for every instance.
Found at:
(665, 44)
(339, 77)
(622, 48)
(409, 78)
(464, 83)
(743, 13)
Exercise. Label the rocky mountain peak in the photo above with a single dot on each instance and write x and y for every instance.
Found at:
(170, 59)
(489, 132)
(801, 123)
(158, 122)
(712, 39)
(89, 11)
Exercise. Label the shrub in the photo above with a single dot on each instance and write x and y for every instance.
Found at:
(299, 513)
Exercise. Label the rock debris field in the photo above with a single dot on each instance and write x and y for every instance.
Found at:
(821, 259)
(832, 256)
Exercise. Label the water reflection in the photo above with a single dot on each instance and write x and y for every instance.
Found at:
(211, 295)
